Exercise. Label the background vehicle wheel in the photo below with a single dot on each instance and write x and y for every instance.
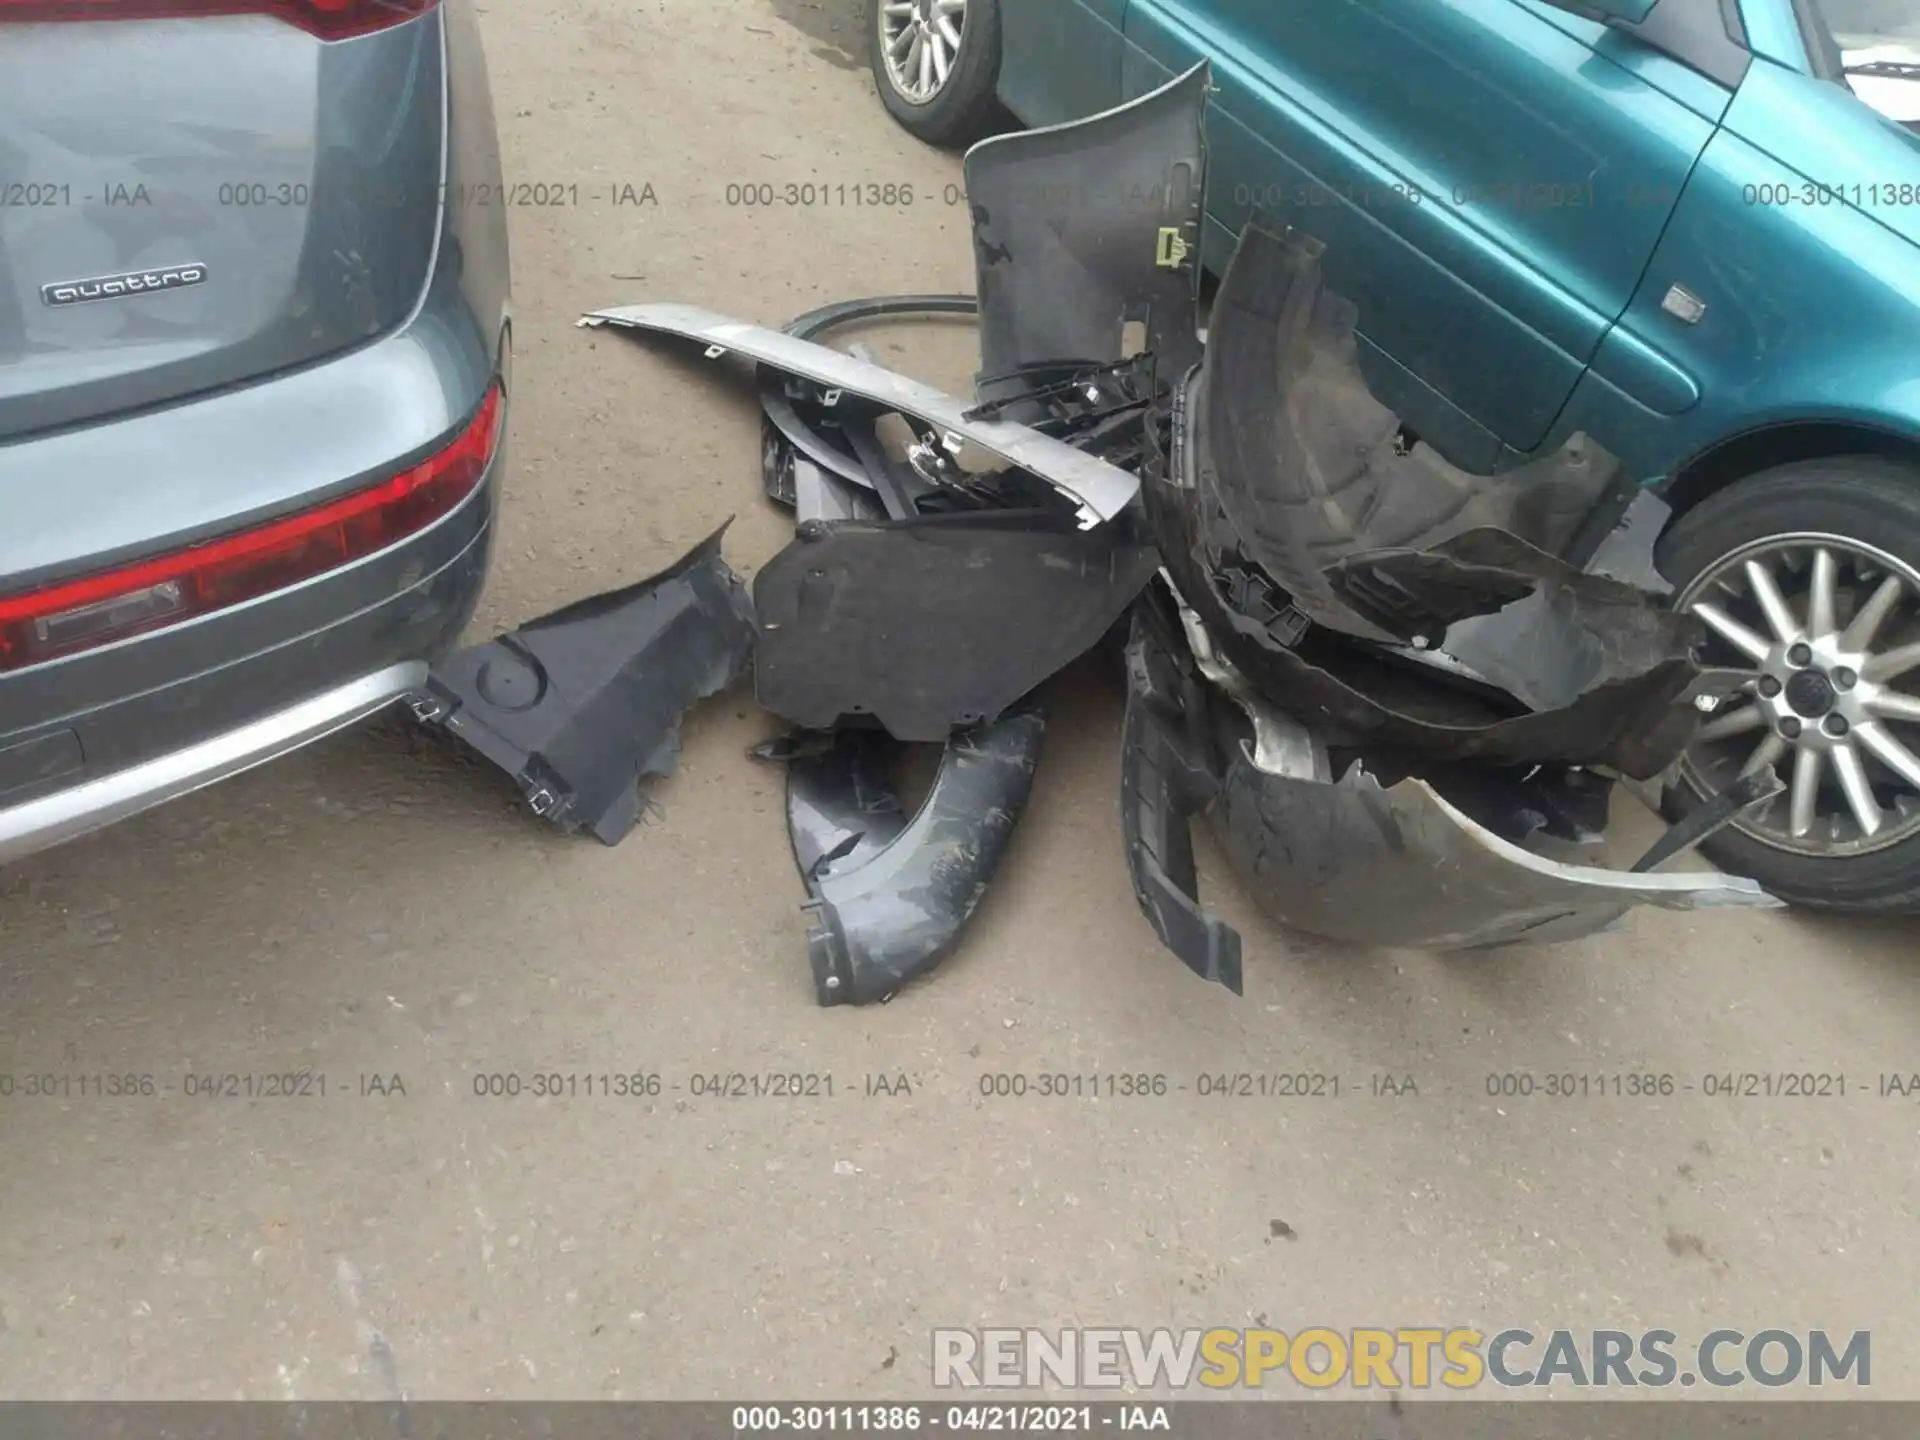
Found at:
(1809, 576)
(937, 63)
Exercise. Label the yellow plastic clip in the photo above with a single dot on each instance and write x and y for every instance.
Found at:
(1173, 249)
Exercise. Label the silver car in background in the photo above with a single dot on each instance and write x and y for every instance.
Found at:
(254, 372)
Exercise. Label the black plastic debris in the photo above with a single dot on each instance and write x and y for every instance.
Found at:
(1302, 468)
(1399, 676)
(934, 625)
(581, 705)
(1636, 716)
(1519, 618)
(1366, 848)
(889, 895)
(1322, 858)
(1166, 781)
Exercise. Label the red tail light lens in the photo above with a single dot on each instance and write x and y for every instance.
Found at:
(151, 594)
(329, 19)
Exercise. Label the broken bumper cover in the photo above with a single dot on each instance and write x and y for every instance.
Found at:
(1322, 858)
(1321, 852)
(581, 705)
(1080, 230)
(891, 895)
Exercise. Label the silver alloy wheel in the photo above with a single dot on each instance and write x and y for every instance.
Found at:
(1827, 625)
(921, 42)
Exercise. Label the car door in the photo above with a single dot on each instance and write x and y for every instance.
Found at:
(1060, 59)
(1490, 178)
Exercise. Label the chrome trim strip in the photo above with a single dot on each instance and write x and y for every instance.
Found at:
(68, 814)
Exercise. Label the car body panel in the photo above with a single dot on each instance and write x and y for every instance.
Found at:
(1813, 304)
(68, 814)
(1773, 33)
(84, 498)
(1705, 97)
(407, 604)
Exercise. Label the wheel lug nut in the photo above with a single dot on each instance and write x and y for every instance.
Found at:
(1800, 655)
(1790, 727)
(1844, 679)
(1769, 686)
(1835, 725)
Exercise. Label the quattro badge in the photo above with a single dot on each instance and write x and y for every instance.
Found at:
(120, 287)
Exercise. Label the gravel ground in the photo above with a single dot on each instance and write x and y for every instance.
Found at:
(376, 908)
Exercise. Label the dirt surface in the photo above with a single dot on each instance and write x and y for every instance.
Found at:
(377, 909)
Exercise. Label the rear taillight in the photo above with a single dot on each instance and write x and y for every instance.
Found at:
(329, 19)
(150, 594)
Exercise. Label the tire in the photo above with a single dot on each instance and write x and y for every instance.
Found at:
(966, 107)
(1859, 500)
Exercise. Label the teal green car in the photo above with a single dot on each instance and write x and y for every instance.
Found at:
(1688, 229)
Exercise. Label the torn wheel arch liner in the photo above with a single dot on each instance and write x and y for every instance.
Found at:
(1306, 469)
(1316, 852)
(890, 895)
(1349, 693)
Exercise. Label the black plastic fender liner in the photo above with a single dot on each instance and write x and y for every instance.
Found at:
(1305, 468)
(1532, 624)
(936, 624)
(841, 805)
(1081, 228)
(1354, 695)
(890, 900)
(581, 705)
(1166, 781)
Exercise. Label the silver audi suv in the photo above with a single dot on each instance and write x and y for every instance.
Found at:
(254, 378)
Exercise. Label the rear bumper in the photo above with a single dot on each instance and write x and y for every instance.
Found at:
(68, 814)
(117, 731)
